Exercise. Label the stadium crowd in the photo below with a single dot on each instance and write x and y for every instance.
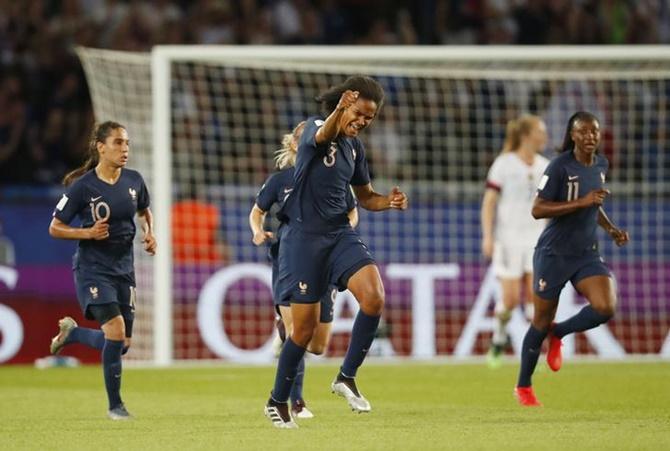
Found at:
(45, 110)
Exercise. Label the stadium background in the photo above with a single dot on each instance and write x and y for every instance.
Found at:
(46, 113)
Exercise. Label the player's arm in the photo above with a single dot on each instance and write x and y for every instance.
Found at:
(331, 126)
(147, 225)
(543, 208)
(619, 236)
(487, 216)
(373, 201)
(353, 217)
(256, 220)
(98, 231)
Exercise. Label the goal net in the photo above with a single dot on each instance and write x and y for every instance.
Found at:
(204, 122)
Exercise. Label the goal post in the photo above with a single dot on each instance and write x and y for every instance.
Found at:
(205, 120)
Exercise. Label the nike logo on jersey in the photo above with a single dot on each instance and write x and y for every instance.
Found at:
(93, 199)
(573, 177)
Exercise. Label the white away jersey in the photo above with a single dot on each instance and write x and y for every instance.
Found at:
(516, 183)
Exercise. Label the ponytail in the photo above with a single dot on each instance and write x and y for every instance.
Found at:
(100, 134)
(512, 137)
(285, 157)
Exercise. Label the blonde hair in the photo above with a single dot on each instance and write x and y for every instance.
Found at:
(517, 129)
(285, 157)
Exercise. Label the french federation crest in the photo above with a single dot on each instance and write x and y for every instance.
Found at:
(94, 292)
(602, 177)
(133, 193)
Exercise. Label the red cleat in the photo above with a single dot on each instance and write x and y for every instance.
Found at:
(554, 354)
(526, 397)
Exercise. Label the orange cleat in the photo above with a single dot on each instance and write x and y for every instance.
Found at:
(554, 354)
(526, 397)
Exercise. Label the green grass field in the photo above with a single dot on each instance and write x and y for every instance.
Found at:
(415, 406)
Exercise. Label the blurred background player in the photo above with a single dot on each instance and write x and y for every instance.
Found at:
(273, 192)
(568, 247)
(509, 231)
(105, 196)
(319, 246)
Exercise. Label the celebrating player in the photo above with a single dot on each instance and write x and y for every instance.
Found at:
(571, 193)
(509, 232)
(105, 196)
(319, 247)
(274, 191)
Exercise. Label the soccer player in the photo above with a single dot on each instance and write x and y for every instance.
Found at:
(319, 246)
(105, 196)
(571, 193)
(509, 232)
(273, 192)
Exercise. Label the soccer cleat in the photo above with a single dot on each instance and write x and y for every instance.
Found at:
(494, 356)
(65, 325)
(526, 397)
(299, 410)
(554, 354)
(119, 413)
(279, 414)
(346, 387)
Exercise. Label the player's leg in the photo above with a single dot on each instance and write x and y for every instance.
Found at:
(70, 332)
(593, 281)
(507, 265)
(112, 324)
(599, 291)
(321, 338)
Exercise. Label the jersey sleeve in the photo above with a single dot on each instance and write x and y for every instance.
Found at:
(267, 195)
(143, 198)
(361, 172)
(71, 203)
(494, 178)
(308, 138)
(551, 182)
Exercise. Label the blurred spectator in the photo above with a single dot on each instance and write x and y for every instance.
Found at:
(45, 111)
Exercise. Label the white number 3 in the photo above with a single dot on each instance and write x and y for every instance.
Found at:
(329, 160)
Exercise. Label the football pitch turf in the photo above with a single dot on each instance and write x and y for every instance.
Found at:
(587, 406)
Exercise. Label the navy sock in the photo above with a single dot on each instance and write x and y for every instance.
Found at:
(296, 390)
(362, 335)
(530, 352)
(93, 338)
(287, 368)
(585, 319)
(111, 368)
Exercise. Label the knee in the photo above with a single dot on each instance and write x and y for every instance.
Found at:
(317, 348)
(542, 321)
(604, 310)
(115, 329)
(302, 334)
(372, 301)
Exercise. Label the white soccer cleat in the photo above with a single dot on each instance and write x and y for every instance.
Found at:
(119, 413)
(300, 410)
(346, 387)
(65, 326)
(280, 415)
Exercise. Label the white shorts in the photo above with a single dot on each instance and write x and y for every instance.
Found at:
(512, 262)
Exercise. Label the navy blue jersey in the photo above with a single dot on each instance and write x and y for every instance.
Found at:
(567, 179)
(90, 198)
(322, 177)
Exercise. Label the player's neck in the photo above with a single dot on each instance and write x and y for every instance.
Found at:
(526, 154)
(107, 174)
(585, 158)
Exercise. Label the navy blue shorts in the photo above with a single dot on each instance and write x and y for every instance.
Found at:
(311, 262)
(327, 300)
(551, 271)
(100, 289)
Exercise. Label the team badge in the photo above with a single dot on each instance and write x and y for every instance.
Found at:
(94, 292)
(133, 193)
(602, 177)
(303, 287)
(542, 284)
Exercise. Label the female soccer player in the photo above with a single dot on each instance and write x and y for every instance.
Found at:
(105, 196)
(273, 192)
(567, 250)
(509, 232)
(319, 247)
